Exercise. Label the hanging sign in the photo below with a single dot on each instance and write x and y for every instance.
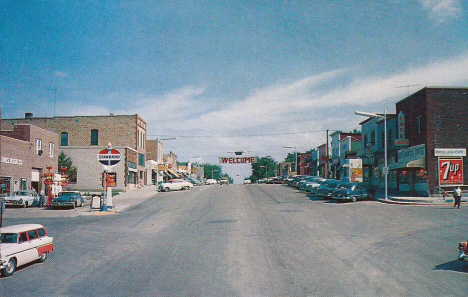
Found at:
(238, 160)
(109, 156)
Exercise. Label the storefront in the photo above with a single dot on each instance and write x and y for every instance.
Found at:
(411, 170)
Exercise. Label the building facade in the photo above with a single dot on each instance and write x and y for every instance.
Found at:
(81, 137)
(26, 152)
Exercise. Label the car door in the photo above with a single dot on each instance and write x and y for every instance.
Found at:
(26, 250)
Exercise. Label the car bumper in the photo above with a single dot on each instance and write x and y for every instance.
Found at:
(61, 204)
(341, 197)
(13, 203)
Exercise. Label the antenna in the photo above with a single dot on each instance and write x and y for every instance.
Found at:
(407, 87)
(55, 98)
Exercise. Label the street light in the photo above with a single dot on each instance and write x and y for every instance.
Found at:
(295, 155)
(212, 172)
(384, 117)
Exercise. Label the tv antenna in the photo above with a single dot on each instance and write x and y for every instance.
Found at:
(407, 87)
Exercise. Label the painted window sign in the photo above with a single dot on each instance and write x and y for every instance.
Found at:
(450, 171)
(401, 125)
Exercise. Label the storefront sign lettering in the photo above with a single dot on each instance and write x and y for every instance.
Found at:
(444, 152)
(13, 161)
(450, 171)
(401, 125)
(412, 153)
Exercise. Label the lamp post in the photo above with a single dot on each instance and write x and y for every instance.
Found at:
(212, 172)
(157, 157)
(295, 155)
(384, 117)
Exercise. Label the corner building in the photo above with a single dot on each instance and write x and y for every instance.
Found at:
(82, 137)
(434, 123)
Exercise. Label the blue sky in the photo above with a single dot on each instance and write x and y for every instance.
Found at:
(224, 71)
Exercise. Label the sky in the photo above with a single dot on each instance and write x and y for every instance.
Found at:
(225, 76)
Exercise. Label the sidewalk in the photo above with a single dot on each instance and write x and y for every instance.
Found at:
(127, 199)
(395, 197)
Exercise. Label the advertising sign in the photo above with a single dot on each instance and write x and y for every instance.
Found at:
(445, 152)
(111, 179)
(450, 171)
(356, 175)
(238, 160)
(109, 157)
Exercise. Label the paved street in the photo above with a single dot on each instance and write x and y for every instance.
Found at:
(254, 240)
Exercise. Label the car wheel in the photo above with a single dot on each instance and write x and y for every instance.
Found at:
(353, 199)
(10, 268)
(79, 203)
(43, 258)
(167, 189)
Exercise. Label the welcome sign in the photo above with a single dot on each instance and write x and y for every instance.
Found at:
(238, 160)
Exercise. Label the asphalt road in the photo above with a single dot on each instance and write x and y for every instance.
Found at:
(253, 240)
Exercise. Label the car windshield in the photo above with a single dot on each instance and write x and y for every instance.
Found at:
(21, 193)
(62, 194)
(9, 238)
(346, 186)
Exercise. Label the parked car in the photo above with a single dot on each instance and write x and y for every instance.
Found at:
(463, 251)
(175, 184)
(194, 181)
(224, 181)
(247, 181)
(23, 198)
(312, 187)
(326, 189)
(351, 192)
(303, 184)
(211, 182)
(68, 199)
(22, 244)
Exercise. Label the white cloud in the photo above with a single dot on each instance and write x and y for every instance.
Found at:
(442, 10)
(60, 74)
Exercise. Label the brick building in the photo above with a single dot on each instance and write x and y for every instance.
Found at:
(26, 151)
(434, 121)
(82, 137)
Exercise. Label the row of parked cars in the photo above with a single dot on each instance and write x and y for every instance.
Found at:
(30, 198)
(330, 188)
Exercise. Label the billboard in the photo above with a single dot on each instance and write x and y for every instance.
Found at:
(450, 171)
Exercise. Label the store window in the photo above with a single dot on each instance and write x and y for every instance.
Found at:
(94, 137)
(64, 139)
(132, 177)
(24, 184)
(5, 186)
(141, 159)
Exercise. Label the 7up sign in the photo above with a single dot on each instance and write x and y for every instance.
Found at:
(450, 171)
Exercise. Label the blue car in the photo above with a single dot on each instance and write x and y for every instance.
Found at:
(351, 192)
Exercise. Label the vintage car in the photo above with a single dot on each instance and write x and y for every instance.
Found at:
(22, 244)
(224, 181)
(23, 198)
(350, 192)
(312, 187)
(175, 184)
(211, 181)
(68, 199)
(247, 181)
(463, 251)
(326, 189)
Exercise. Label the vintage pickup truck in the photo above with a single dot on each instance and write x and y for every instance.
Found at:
(22, 244)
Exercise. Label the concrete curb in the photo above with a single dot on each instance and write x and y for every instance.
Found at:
(414, 202)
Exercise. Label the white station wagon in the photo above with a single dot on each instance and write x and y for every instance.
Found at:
(21, 244)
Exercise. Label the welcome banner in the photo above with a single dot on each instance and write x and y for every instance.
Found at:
(238, 160)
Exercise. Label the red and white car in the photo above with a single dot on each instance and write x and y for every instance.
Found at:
(22, 244)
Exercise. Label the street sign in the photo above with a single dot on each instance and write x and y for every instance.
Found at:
(385, 170)
(109, 157)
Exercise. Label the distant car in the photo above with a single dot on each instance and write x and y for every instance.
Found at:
(351, 192)
(463, 251)
(211, 182)
(224, 181)
(23, 198)
(22, 244)
(312, 187)
(175, 184)
(247, 181)
(68, 199)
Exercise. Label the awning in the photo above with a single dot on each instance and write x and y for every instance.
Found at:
(173, 173)
(420, 163)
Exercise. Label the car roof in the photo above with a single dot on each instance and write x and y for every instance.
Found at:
(20, 228)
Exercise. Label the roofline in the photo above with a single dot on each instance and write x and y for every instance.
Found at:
(432, 88)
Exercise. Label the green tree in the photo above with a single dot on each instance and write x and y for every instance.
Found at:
(212, 171)
(265, 167)
(291, 158)
(66, 161)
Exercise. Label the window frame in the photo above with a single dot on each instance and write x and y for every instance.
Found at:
(64, 140)
(94, 137)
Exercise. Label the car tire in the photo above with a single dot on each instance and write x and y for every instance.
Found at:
(167, 189)
(353, 199)
(79, 203)
(43, 258)
(10, 269)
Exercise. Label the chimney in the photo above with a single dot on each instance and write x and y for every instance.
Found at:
(28, 115)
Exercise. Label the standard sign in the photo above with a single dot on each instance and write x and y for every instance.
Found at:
(109, 157)
(238, 160)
